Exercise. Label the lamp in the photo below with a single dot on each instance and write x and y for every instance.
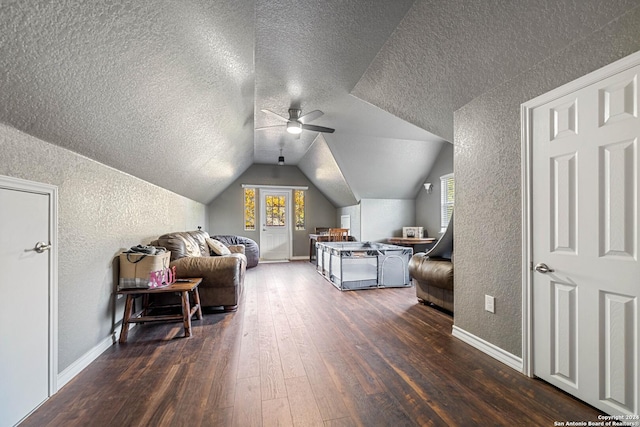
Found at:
(294, 127)
(429, 187)
(281, 159)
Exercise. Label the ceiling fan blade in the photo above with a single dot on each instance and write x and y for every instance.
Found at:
(318, 128)
(310, 116)
(270, 127)
(277, 116)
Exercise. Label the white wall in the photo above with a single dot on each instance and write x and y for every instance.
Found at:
(381, 219)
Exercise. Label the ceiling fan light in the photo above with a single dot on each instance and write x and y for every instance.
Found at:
(281, 161)
(294, 127)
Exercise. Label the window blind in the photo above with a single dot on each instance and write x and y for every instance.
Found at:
(447, 196)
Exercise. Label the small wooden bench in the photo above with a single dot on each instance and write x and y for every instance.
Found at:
(183, 287)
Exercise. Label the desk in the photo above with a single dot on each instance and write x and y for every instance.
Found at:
(183, 288)
(411, 241)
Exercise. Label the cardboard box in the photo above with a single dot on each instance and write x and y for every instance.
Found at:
(139, 270)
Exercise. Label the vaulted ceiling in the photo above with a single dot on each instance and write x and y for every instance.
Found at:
(172, 91)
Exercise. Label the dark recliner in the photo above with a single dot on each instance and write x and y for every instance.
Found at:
(432, 272)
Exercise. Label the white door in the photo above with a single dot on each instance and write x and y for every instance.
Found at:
(585, 231)
(275, 218)
(25, 309)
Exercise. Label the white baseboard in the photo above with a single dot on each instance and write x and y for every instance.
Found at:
(300, 258)
(85, 360)
(76, 367)
(486, 347)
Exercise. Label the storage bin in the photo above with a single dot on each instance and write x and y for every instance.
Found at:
(138, 270)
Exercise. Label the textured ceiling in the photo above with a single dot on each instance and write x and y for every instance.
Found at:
(310, 55)
(171, 91)
(307, 54)
(162, 90)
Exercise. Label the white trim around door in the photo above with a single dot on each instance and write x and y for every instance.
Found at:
(52, 191)
(527, 202)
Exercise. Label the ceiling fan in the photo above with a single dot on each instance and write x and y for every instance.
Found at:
(296, 123)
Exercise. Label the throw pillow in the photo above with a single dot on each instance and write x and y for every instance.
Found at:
(218, 247)
(190, 247)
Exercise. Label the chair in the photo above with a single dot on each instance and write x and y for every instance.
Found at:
(432, 272)
(338, 234)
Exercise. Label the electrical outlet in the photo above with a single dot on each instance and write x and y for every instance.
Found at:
(489, 304)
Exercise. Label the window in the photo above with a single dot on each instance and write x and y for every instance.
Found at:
(298, 196)
(250, 209)
(447, 193)
(276, 211)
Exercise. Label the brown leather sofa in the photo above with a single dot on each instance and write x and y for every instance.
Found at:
(222, 276)
(432, 272)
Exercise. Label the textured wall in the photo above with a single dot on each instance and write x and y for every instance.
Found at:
(101, 212)
(446, 53)
(488, 194)
(226, 211)
(428, 205)
(381, 219)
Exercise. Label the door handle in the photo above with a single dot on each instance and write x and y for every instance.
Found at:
(41, 247)
(543, 268)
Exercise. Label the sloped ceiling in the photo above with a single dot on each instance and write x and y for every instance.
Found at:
(308, 54)
(380, 155)
(162, 90)
(171, 91)
(321, 168)
(446, 53)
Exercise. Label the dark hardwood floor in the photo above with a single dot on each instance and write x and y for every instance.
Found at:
(299, 352)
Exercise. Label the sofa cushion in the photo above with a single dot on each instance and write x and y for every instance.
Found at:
(236, 249)
(176, 243)
(217, 247)
(200, 237)
(191, 248)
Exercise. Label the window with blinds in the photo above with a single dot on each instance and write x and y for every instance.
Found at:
(447, 193)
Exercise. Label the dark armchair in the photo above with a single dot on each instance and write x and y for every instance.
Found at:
(432, 272)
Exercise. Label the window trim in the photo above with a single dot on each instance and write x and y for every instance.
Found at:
(276, 187)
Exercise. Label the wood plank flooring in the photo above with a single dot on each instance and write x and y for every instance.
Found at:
(298, 352)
